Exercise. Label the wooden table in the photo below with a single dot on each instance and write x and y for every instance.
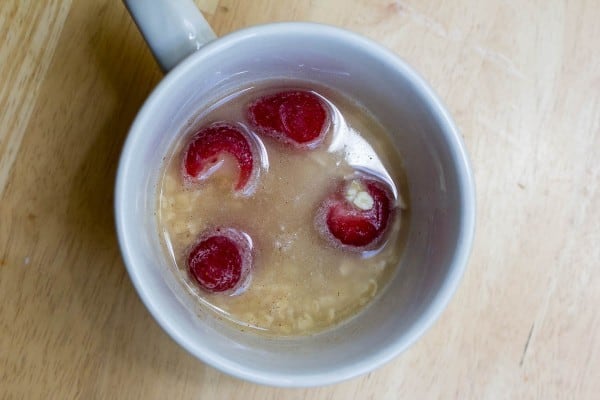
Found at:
(522, 79)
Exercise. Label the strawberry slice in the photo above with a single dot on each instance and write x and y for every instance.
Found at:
(356, 215)
(221, 260)
(294, 117)
(204, 153)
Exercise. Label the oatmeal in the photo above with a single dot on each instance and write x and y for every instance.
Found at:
(304, 277)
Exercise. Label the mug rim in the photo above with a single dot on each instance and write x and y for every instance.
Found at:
(456, 269)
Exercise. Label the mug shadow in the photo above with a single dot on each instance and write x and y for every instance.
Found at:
(126, 338)
(128, 334)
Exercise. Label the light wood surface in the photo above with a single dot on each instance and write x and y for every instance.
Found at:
(522, 80)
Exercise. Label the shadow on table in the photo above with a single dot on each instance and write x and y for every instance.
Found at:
(123, 336)
(86, 332)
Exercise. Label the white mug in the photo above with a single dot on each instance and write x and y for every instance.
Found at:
(200, 69)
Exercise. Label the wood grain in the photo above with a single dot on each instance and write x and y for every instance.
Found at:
(521, 78)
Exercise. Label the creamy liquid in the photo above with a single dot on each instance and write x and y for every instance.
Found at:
(300, 284)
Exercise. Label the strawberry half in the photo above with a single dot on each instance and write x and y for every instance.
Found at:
(356, 215)
(221, 260)
(206, 149)
(294, 117)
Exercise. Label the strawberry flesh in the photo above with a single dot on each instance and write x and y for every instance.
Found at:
(209, 143)
(220, 261)
(352, 227)
(295, 117)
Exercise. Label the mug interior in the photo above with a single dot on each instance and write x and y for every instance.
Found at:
(440, 191)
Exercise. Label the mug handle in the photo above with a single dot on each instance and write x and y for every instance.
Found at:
(173, 29)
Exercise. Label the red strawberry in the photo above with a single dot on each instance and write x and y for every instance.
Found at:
(221, 260)
(356, 215)
(295, 117)
(206, 149)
